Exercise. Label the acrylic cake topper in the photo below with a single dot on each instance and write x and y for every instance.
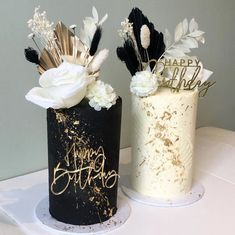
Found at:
(69, 65)
(80, 160)
(83, 161)
(155, 60)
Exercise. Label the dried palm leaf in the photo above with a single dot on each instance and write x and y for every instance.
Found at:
(67, 46)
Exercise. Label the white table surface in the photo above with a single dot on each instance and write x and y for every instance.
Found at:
(214, 214)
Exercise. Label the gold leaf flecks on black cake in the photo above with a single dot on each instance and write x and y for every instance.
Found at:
(83, 149)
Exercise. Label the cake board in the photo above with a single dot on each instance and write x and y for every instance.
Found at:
(49, 223)
(195, 194)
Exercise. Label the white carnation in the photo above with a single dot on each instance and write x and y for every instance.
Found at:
(101, 95)
(144, 83)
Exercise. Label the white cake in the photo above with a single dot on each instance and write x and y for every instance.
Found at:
(163, 142)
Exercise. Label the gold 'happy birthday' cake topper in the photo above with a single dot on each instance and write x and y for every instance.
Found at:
(185, 74)
(83, 167)
(156, 60)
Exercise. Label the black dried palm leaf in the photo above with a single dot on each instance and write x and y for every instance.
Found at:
(31, 55)
(157, 46)
(122, 55)
(127, 54)
(95, 41)
(130, 50)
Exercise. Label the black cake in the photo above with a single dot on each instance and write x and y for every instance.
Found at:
(83, 151)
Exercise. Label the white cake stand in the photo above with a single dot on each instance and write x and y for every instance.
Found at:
(195, 194)
(49, 223)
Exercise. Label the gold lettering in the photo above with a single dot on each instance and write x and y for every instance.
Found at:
(175, 63)
(182, 62)
(178, 82)
(197, 62)
(190, 62)
(167, 62)
(83, 167)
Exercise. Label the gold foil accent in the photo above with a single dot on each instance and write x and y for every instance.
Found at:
(169, 154)
(60, 117)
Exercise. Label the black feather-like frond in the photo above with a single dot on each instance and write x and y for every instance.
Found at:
(137, 19)
(95, 41)
(127, 54)
(130, 51)
(121, 54)
(31, 55)
(157, 46)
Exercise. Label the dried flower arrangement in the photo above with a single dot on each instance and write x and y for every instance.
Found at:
(69, 65)
(154, 60)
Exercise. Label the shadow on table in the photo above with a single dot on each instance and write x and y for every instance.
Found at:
(124, 172)
(8, 225)
(20, 203)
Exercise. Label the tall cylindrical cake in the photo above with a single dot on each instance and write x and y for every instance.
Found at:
(163, 142)
(83, 150)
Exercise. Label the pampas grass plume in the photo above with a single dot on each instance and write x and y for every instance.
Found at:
(145, 36)
(98, 60)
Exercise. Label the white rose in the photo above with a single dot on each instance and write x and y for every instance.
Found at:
(101, 95)
(61, 87)
(144, 83)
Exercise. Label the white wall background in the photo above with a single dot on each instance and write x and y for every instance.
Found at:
(23, 142)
